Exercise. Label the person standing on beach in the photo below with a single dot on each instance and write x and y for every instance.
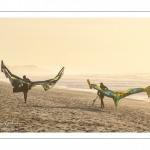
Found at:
(25, 87)
(100, 94)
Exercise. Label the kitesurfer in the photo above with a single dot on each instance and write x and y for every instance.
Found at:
(100, 93)
(25, 87)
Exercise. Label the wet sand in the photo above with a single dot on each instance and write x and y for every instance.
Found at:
(58, 110)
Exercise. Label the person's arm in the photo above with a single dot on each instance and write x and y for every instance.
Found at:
(28, 80)
(106, 88)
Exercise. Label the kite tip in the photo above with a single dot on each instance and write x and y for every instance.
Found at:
(2, 65)
(88, 81)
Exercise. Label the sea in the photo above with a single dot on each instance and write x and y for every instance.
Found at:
(114, 82)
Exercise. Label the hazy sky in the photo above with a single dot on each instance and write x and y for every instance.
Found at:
(96, 45)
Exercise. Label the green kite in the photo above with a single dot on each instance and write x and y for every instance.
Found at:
(16, 81)
(118, 96)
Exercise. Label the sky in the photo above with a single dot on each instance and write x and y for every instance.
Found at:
(86, 45)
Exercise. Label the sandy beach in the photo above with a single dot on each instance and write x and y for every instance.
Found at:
(58, 110)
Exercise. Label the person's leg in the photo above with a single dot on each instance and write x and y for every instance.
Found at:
(25, 96)
(102, 102)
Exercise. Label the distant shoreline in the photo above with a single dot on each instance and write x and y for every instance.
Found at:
(93, 92)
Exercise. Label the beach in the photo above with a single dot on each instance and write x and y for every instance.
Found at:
(60, 110)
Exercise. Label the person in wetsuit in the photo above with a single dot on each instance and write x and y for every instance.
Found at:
(100, 94)
(25, 87)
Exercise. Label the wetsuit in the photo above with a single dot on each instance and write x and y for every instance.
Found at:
(25, 88)
(101, 94)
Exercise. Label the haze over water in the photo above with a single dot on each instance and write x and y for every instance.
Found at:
(78, 82)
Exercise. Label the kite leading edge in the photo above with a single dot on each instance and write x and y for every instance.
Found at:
(17, 82)
(118, 96)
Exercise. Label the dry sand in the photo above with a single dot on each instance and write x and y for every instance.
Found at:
(58, 110)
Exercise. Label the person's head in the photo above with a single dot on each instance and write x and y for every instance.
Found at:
(101, 84)
(24, 77)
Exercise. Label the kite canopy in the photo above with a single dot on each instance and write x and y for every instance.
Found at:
(48, 84)
(118, 96)
(16, 81)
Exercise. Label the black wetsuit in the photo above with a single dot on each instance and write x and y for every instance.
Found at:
(101, 95)
(25, 89)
